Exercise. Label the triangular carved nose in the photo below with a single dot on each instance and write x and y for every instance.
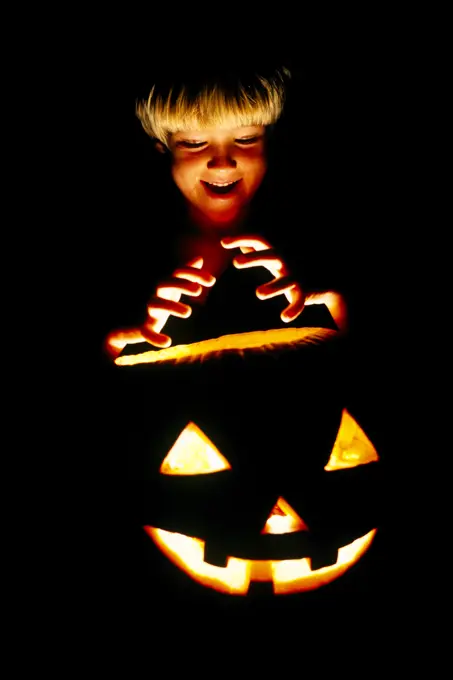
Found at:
(283, 520)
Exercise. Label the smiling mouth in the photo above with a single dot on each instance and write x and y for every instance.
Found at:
(286, 576)
(220, 188)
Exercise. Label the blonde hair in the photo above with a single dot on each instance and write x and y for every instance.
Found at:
(258, 100)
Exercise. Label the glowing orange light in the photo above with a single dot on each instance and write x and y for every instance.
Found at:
(283, 284)
(162, 307)
(237, 343)
(274, 264)
(352, 447)
(256, 252)
(193, 453)
(287, 576)
(171, 293)
(283, 519)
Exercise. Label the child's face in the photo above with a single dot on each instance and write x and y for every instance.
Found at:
(217, 170)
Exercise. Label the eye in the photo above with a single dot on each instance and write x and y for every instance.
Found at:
(185, 144)
(248, 140)
(352, 447)
(193, 453)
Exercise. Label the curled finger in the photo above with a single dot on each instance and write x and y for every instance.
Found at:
(200, 276)
(251, 241)
(117, 340)
(268, 259)
(149, 334)
(173, 307)
(173, 289)
(296, 306)
(275, 287)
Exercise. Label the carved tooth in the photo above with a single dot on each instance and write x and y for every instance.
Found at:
(214, 556)
(323, 556)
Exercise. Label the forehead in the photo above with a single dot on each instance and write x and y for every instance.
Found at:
(217, 132)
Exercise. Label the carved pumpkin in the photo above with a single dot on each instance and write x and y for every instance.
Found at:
(247, 485)
(194, 454)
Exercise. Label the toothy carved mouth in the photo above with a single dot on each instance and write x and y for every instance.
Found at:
(287, 576)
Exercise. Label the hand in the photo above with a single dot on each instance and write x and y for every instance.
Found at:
(257, 252)
(188, 280)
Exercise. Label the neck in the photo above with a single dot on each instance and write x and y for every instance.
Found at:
(211, 229)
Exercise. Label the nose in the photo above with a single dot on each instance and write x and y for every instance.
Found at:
(222, 158)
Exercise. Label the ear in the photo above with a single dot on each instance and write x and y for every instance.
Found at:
(160, 147)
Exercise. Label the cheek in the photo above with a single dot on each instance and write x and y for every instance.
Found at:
(254, 169)
(185, 174)
(255, 178)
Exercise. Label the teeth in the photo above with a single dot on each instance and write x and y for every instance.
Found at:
(221, 184)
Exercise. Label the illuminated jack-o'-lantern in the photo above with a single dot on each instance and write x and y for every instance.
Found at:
(252, 485)
(256, 471)
(194, 454)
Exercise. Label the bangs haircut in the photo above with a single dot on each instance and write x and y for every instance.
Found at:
(221, 101)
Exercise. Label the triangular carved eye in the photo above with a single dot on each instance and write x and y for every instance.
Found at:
(352, 447)
(193, 453)
(283, 520)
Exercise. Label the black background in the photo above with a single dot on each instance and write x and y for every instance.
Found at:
(346, 150)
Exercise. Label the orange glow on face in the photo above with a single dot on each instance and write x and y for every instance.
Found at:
(287, 576)
(201, 158)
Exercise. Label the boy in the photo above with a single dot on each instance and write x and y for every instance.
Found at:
(217, 134)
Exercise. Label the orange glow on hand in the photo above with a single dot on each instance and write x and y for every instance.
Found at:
(188, 280)
(257, 252)
(182, 282)
(335, 303)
